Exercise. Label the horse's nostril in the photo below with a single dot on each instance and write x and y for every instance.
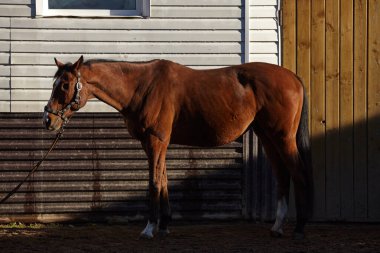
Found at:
(47, 122)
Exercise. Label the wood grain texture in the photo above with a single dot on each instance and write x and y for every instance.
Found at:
(373, 110)
(346, 115)
(360, 108)
(333, 172)
(317, 102)
(289, 35)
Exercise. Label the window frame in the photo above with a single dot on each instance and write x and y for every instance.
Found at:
(142, 10)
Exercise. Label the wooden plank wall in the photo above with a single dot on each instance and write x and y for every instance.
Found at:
(98, 172)
(333, 45)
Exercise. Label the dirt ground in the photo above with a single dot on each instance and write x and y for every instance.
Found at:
(233, 236)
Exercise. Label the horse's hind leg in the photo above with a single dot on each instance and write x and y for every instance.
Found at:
(289, 153)
(283, 183)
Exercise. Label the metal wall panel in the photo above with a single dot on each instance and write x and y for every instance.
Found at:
(98, 170)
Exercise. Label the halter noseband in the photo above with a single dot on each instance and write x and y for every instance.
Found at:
(76, 101)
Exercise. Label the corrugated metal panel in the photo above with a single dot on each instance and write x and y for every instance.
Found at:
(99, 170)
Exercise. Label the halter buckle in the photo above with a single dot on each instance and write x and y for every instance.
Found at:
(79, 85)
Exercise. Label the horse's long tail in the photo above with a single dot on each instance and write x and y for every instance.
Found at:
(303, 145)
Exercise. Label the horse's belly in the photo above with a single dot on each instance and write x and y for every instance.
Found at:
(204, 135)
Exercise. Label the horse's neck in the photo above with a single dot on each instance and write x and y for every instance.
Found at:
(115, 83)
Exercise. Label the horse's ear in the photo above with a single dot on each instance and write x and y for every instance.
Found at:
(58, 63)
(78, 63)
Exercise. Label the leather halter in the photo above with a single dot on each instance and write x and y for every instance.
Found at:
(75, 101)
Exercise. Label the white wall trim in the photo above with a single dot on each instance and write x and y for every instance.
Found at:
(247, 30)
(142, 9)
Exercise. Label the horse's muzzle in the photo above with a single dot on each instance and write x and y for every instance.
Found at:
(51, 123)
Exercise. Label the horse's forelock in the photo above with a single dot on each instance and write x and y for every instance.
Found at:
(65, 68)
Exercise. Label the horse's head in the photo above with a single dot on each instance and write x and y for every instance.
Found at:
(66, 97)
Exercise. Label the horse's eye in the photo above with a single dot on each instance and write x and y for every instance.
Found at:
(65, 86)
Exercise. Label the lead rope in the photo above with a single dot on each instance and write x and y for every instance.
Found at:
(59, 134)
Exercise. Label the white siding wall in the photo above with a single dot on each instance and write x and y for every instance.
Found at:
(264, 41)
(197, 33)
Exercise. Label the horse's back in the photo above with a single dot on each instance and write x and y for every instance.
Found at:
(216, 106)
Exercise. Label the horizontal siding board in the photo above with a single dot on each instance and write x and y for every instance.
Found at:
(196, 12)
(269, 58)
(262, 23)
(113, 207)
(186, 59)
(15, 10)
(131, 36)
(25, 145)
(48, 71)
(14, 2)
(124, 154)
(5, 70)
(4, 34)
(196, 3)
(38, 106)
(126, 24)
(5, 46)
(120, 185)
(5, 94)
(5, 83)
(263, 35)
(120, 164)
(263, 2)
(5, 22)
(113, 217)
(59, 197)
(263, 11)
(4, 58)
(35, 83)
(264, 47)
(131, 47)
(5, 106)
(91, 174)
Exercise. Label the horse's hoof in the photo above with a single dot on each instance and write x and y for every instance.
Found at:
(146, 236)
(276, 234)
(298, 236)
(163, 233)
(147, 233)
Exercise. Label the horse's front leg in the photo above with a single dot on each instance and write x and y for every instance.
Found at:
(156, 152)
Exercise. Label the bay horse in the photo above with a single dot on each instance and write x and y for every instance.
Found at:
(164, 102)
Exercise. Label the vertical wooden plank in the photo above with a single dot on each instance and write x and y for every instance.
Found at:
(289, 34)
(318, 105)
(360, 109)
(373, 110)
(289, 56)
(303, 23)
(304, 43)
(332, 110)
(346, 110)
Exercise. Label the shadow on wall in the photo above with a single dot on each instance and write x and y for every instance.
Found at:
(99, 173)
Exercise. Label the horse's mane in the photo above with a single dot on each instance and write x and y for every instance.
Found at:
(94, 61)
(68, 65)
